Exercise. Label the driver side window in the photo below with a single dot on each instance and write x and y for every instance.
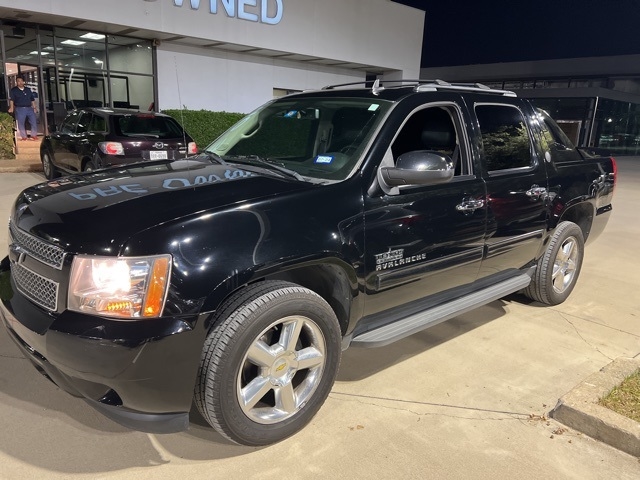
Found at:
(433, 129)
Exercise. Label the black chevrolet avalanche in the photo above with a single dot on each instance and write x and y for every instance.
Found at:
(347, 216)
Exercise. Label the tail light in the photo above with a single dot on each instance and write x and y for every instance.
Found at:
(111, 148)
(614, 172)
(192, 148)
(615, 169)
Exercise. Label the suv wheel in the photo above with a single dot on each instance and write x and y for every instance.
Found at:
(90, 166)
(269, 363)
(48, 169)
(559, 267)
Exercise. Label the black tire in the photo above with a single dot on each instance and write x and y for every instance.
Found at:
(90, 166)
(49, 170)
(558, 269)
(267, 398)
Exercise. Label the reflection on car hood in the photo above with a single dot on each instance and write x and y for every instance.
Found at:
(117, 203)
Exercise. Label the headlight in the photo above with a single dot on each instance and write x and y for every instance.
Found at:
(122, 287)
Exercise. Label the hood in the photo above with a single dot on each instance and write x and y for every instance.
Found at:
(97, 213)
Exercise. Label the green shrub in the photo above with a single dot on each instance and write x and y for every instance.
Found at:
(203, 125)
(6, 136)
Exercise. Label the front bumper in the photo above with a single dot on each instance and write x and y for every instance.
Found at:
(140, 374)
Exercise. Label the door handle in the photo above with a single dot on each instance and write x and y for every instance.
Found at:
(470, 205)
(536, 192)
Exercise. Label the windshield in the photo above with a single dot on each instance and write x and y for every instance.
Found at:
(321, 138)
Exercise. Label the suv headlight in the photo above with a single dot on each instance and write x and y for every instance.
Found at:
(121, 287)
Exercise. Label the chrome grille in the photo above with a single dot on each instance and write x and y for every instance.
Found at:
(39, 249)
(37, 288)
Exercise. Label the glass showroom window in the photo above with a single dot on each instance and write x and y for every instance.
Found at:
(131, 71)
(96, 70)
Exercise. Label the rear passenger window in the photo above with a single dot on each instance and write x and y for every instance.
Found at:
(505, 138)
(83, 123)
(98, 124)
(556, 142)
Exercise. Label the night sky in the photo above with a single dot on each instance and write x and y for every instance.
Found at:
(490, 31)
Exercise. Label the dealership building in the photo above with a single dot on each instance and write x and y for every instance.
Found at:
(221, 55)
(595, 100)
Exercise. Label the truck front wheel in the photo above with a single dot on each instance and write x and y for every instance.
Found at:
(558, 269)
(269, 363)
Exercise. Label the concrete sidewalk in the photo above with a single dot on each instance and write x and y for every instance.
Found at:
(580, 410)
(470, 398)
(19, 166)
(27, 158)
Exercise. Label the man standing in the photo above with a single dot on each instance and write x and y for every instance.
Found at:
(23, 101)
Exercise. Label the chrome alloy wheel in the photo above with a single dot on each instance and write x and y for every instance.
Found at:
(47, 166)
(281, 370)
(565, 265)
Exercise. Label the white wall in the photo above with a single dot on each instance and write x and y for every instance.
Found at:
(200, 78)
(382, 34)
(372, 32)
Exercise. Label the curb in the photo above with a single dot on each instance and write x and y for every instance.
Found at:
(15, 166)
(579, 408)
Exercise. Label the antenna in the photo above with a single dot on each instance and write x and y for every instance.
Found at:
(184, 130)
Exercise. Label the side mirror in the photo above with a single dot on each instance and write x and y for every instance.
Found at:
(53, 127)
(420, 167)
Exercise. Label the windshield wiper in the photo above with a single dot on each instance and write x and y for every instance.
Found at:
(265, 162)
(214, 157)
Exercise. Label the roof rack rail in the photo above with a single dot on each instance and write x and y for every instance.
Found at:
(373, 83)
(376, 88)
(422, 85)
(469, 87)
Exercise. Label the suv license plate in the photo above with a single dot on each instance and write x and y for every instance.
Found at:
(162, 155)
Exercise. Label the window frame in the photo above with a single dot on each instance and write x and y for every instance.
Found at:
(558, 147)
(72, 121)
(461, 133)
(456, 111)
(532, 151)
(86, 125)
(98, 118)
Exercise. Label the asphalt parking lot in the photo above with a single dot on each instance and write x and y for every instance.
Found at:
(467, 399)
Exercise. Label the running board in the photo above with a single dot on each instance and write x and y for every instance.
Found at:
(433, 316)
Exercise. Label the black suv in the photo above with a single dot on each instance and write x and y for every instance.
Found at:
(94, 138)
(347, 216)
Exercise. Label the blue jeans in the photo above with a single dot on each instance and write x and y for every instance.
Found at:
(22, 113)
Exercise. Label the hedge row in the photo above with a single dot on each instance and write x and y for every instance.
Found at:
(203, 125)
(6, 136)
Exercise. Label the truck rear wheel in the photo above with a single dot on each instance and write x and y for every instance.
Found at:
(269, 363)
(90, 166)
(558, 269)
(48, 169)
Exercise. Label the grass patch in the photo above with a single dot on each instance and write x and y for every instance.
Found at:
(625, 398)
